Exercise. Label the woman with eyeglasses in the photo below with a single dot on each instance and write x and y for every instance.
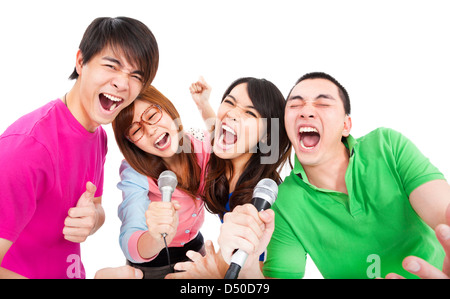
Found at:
(150, 135)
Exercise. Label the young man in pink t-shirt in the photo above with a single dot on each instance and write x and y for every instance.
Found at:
(52, 159)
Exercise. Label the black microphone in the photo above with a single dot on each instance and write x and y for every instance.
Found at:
(264, 196)
(167, 182)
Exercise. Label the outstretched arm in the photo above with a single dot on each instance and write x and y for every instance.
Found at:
(200, 92)
(430, 201)
(423, 269)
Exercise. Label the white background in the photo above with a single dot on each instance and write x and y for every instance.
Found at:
(392, 57)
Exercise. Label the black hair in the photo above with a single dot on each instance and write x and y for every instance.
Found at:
(269, 102)
(320, 75)
(129, 36)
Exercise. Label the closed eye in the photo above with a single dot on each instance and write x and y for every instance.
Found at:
(135, 131)
(229, 102)
(296, 104)
(137, 77)
(251, 113)
(151, 116)
(110, 66)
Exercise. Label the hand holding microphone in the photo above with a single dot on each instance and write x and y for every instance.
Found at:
(161, 216)
(248, 228)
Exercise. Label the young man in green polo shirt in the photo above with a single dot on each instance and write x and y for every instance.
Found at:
(358, 207)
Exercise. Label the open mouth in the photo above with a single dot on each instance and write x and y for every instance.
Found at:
(309, 137)
(163, 141)
(110, 102)
(228, 136)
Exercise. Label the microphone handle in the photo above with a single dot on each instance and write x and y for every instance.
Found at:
(237, 259)
(166, 194)
(260, 204)
(233, 271)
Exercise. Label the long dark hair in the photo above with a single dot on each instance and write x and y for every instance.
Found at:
(151, 165)
(270, 103)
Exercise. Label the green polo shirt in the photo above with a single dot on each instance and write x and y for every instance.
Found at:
(366, 233)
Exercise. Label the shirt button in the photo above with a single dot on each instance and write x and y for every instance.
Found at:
(187, 231)
(182, 243)
(194, 215)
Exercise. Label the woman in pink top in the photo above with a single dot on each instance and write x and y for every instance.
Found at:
(150, 135)
(250, 143)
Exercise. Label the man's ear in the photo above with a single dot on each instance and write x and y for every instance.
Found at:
(347, 126)
(79, 62)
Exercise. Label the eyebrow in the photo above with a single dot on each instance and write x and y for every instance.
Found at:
(320, 96)
(234, 99)
(114, 60)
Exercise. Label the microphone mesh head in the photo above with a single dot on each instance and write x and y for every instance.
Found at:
(167, 178)
(267, 189)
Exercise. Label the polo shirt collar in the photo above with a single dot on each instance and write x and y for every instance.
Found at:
(349, 143)
(351, 204)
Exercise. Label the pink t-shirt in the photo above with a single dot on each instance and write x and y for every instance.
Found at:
(46, 158)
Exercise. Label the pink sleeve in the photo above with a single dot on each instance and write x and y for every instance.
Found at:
(132, 248)
(27, 172)
(202, 145)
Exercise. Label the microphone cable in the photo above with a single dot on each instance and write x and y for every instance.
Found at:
(172, 270)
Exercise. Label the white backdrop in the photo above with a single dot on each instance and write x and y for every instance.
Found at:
(392, 57)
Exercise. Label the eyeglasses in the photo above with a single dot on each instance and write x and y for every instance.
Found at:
(150, 116)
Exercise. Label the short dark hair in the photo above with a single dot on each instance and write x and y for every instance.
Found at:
(320, 75)
(133, 38)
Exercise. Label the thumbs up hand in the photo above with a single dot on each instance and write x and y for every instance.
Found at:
(82, 218)
(87, 198)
